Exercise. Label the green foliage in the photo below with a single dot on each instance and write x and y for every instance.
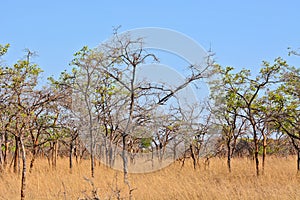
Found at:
(4, 49)
(2, 148)
(146, 142)
(268, 149)
(270, 98)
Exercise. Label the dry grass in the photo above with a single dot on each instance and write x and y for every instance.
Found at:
(279, 182)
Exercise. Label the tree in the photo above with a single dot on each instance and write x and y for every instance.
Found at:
(4, 95)
(249, 90)
(84, 96)
(22, 107)
(286, 99)
(226, 109)
(122, 103)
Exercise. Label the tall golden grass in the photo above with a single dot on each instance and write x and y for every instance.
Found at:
(280, 181)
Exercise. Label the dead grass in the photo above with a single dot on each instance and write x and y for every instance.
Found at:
(280, 181)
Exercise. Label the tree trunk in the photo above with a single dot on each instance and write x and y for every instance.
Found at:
(1, 153)
(297, 147)
(92, 158)
(264, 153)
(92, 153)
(16, 156)
(106, 149)
(124, 157)
(193, 156)
(77, 150)
(256, 146)
(5, 149)
(228, 156)
(298, 160)
(1, 160)
(256, 155)
(34, 152)
(54, 154)
(31, 163)
(152, 157)
(23, 182)
(111, 154)
(70, 155)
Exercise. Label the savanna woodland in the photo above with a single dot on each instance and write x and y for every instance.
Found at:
(83, 134)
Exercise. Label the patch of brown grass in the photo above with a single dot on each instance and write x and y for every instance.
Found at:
(280, 181)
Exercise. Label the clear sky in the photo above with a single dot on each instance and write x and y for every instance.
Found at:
(241, 33)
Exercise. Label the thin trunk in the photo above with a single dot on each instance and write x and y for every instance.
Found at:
(256, 146)
(23, 183)
(124, 156)
(264, 153)
(256, 154)
(1, 163)
(297, 147)
(174, 153)
(92, 157)
(70, 155)
(229, 156)
(5, 149)
(16, 156)
(34, 152)
(106, 148)
(54, 154)
(193, 155)
(31, 163)
(298, 160)
(107, 145)
(124, 134)
(1, 159)
(76, 150)
(152, 156)
(111, 154)
(1, 153)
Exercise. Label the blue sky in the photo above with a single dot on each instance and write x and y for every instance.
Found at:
(242, 34)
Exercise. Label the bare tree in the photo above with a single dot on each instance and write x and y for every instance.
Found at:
(121, 103)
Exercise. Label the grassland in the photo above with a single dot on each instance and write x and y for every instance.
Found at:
(280, 181)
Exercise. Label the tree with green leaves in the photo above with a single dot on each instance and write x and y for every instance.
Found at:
(21, 83)
(225, 110)
(248, 90)
(286, 100)
(22, 109)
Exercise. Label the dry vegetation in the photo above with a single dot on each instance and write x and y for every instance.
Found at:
(280, 181)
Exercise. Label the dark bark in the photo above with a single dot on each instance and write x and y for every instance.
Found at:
(16, 156)
(34, 152)
(297, 147)
(193, 156)
(92, 156)
(264, 153)
(124, 156)
(256, 144)
(229, 155)
(256, 150)
(31, 163)
(71, 155)
(5, 149)
(54, 154)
